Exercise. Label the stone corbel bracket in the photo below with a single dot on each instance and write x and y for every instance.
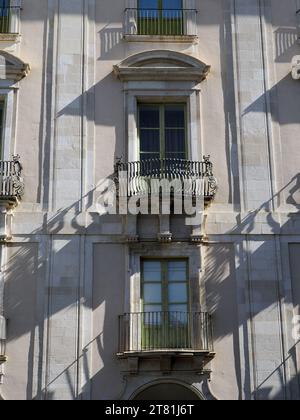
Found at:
(6, 221)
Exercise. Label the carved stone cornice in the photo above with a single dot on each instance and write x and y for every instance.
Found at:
(161, 65)
(12, 68)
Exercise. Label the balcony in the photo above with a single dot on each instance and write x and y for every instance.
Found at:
(9, 22)
(11, 182)
(194, 178)
(179, 25)
(167, 337)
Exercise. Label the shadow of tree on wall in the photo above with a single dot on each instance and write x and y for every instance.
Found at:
(217, 298)
(22, 259)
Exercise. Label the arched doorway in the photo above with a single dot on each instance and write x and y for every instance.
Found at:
(165, 392)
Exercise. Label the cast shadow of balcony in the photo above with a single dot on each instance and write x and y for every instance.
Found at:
(286, 42)
(112, 44)
(284, 102)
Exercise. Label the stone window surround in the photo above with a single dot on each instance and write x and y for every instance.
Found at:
(8, 95)
(159, 84)
(12, 71)
(162, 92)
(133, 301)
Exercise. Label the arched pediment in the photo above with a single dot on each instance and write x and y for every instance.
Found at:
(12, 68)
(162, 65)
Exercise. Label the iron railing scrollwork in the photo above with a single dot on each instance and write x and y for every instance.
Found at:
(11, 181)
(196, 178)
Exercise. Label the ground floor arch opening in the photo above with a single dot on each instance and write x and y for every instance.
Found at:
(166, 392)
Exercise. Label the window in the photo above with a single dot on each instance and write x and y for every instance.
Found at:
(160, 17)
(162, 131)
(165, 295)
(2, 116)
(4, 16)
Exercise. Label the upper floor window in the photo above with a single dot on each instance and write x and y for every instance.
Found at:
(165, 296)
(163, 18)
(160, 17)
(2, 113)
(5, 13)
(9, 19)
(162, 131)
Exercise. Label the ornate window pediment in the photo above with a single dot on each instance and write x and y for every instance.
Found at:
(162, 65)
(12, 68)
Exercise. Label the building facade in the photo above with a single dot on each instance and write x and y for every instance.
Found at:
(127, 305)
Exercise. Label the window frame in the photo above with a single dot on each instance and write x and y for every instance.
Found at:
(3, 106)
(165, 282)
(13, 24)
(162, 127)
(158, 24)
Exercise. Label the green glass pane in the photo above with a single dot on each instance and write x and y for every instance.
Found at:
(149, 117)
(177, 292)
(177, 271)
(174, 116)
(150, 140)
(175, 141)
(152, 293)
(152, 271)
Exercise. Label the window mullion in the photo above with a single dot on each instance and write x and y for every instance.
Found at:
(165, 300)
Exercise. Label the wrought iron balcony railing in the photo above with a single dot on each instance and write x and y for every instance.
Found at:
(11, 182)
(161, 22)
(8, 14)
(165, 331)
(142, 177)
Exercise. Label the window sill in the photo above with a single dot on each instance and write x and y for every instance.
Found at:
(187, 39)
(10, 37)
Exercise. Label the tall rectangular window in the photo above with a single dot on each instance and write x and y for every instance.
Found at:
(2, 117)
(160, 17)
(5, 16)
(162, 131)
(165, 294)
